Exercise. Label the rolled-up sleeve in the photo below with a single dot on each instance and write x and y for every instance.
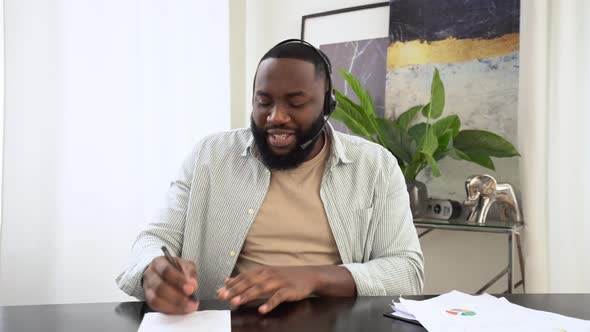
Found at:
(396, 264)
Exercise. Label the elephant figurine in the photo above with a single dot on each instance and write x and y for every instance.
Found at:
(483, 191)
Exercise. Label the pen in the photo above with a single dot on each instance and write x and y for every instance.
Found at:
(173, 262)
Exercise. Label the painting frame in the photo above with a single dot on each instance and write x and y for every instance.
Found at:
(331, 18)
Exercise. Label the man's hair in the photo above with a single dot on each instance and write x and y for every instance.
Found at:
(300, 52)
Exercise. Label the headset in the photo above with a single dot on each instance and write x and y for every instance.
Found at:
(330, 102)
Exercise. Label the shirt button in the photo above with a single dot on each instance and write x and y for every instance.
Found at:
(232, 253)
(250, 212)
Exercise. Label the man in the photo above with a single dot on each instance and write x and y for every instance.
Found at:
(282, 211)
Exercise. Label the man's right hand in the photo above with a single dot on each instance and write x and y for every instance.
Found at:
(167, 290)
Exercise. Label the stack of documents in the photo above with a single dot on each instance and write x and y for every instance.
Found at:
(456, 311)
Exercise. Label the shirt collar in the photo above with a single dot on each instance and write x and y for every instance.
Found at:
(249, 145)
(337, 153)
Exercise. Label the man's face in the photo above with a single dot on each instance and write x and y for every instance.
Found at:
(287, 110)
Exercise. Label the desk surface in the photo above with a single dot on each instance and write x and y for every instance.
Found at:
(316, 314)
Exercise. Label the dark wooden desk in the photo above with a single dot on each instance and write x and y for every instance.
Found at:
(361, 314)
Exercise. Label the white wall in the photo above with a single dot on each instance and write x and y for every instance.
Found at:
(484, 255)
(103, 101)
(1, 100)
(237, 54)
(556, 154)
(568, 219)
(532, 128)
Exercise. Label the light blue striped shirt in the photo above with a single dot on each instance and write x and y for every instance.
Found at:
(213, 202)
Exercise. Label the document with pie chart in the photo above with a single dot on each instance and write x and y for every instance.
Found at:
(456, 311)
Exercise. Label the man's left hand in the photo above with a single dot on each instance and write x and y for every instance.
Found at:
(279, 284)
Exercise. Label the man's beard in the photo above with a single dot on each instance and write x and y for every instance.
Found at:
(293, 158)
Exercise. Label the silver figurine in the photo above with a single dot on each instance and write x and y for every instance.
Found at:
(483, 191)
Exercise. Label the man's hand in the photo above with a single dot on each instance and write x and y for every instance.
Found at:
(279, 283)
(166, 289)
(288, 283)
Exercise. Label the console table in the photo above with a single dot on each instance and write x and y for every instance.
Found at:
(511, 229)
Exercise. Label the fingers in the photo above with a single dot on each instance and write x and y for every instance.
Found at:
(279, 297)
(264, 289)
(190, 272)
(172, 276)
(250, 284)
(249, 277)
(168, 306)
(166, 289)
(280, 283)
(165, 298)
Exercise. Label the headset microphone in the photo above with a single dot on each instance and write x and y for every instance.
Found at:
(311, 140)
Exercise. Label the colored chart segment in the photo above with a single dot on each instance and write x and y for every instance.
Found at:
(461, 312)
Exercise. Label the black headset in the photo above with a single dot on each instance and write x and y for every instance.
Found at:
(330, 102)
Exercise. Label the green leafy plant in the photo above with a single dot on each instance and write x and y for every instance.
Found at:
(425, 143)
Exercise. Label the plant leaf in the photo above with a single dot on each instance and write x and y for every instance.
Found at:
(444, 145)
(433, 164)
(413, 168)
(458, 155)
(437, 96)
(364, 98)
(350, 106)
(369, 120)
(404, 120)
(483, 160)
(481, 142)
(428, 146)
(480, 159)
(351, 120)
(429, 143)
(394, 139)
(417, 132)
(451, 122)
(426, 110)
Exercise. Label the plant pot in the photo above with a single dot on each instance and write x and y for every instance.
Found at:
(418, 197)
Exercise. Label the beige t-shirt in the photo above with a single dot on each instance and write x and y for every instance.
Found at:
(291, 227)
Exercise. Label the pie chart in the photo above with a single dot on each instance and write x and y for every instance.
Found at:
(461, 312)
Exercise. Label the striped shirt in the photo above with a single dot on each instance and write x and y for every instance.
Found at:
(213, 202)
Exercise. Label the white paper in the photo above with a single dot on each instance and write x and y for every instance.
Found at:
(456, 311)
(207, 320)
(400, 311)
(403, 315)
(547, 321)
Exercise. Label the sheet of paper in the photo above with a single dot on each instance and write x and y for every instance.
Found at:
(456, 311)
(399, 308)
(403, 315)
(208, 320)
(548, 321)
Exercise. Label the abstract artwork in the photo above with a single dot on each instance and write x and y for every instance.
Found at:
(475, 46)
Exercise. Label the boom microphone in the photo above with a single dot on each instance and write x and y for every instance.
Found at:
(304, 145)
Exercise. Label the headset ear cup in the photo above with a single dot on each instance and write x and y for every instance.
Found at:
(331, 103)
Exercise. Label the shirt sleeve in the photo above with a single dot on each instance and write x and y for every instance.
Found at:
(166, 229)
(396, 263)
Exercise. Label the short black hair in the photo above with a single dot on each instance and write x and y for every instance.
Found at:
(299, 51)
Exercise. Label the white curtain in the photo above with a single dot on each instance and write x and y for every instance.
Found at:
(103, 101)
(553, 120)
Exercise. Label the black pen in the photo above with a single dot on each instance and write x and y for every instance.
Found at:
(173, 262)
